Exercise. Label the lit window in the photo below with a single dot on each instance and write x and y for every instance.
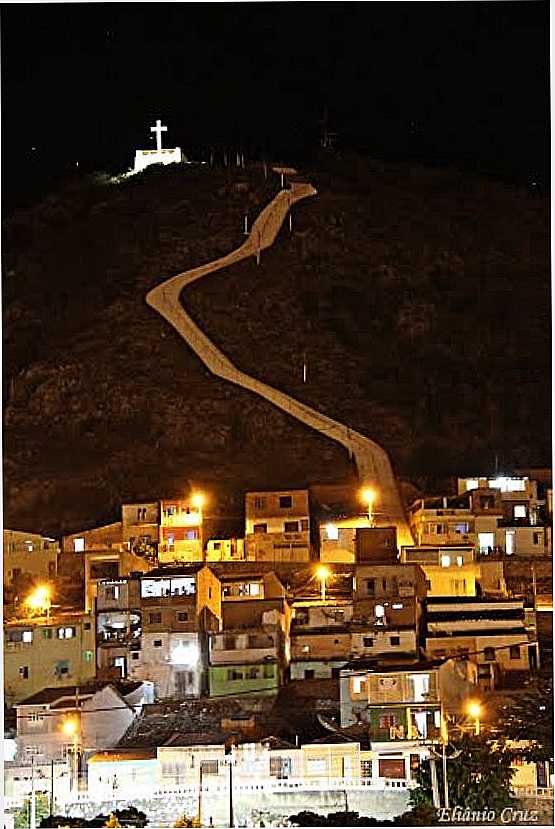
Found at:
(460, 561)
(88, 656)
(519, 511)
(397, 606)
(24, 672)
(332, 532)
(27, 636)
(78, 545)
(379, 611)
(471, 483)
(359, 684)
(260, 528)
(445, 561)
(260, 503)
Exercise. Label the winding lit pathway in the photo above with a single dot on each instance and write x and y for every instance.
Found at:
(372, 461)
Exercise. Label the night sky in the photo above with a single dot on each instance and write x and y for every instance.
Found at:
(437, 82)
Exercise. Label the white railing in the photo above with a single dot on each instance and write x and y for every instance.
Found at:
(533, 791)
(267, 785)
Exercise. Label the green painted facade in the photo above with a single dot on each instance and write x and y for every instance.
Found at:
(225, 680)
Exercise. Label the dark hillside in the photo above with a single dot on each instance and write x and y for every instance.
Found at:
(420, 298)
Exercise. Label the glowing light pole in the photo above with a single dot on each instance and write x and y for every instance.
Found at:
(197, 500)
(39, 601)
(323, 573)
(71, 728)
(369, 496)
(475, 711)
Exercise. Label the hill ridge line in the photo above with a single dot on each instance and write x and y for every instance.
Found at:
(372, 461)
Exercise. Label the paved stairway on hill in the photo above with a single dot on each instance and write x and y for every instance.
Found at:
(373, 464)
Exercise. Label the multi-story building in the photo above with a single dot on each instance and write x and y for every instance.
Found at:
(225, 549)
(356, 540)
(141, 528)
(55, 650)
(320, 639)
(178, 608)
(99, 713)
(450, 570)
(389, 594)
(404, 706)
(28, 558)
(181, 530)
(494, 634)
(118, 625)
(277, 526)
(251, 653)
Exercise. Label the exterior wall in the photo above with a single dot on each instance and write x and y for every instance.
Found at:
(386, 641)
(240, 647)
(452, 580)
(99, 538)
(528, 541)
(277, 542)
(242, 678)
(332, 760)
(112, 775)
(144, 158)
(225, 549)
(492, 578)
(209, 594)
(29, 556)
(338, 539)
(306, 668)
(401, 580)
(123, 563)
(157, 663)
(47, 656)
(181, 532)
(318, 646)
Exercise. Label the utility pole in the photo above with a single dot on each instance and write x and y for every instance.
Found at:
(435, 787)
(51, 788)
(231, 820)
(445, 781)
(33, 805)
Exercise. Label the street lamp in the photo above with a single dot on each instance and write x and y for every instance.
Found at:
(474, 709)
(71, 729)
(323, 573)
(369, 496)
(39, 601)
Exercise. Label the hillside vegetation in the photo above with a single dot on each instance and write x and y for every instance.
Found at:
(419, 299)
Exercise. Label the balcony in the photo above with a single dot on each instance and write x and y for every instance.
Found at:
(182, 519)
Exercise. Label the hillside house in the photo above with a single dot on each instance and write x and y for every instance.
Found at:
(29, 558)
(277, 526)
(57, 650)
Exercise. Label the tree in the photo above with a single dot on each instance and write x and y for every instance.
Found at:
(529, 719)
(479, 778)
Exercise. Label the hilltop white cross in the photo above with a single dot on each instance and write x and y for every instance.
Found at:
(158, 129)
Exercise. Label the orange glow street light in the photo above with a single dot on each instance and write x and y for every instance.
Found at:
(323, 573)
(369, 496)
(70, 727)
(474, 709)
(39, 601)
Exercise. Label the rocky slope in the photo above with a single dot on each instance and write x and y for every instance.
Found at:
(419, 299)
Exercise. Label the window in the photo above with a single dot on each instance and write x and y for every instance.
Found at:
(368, 642)
(462, 527)
(112, 592)
(78, 545)
(182, 616)
(66, 633)
(285, 501)
(281, 767)
(157, 643)
(309, 673)
(36, 717)
(217, 545)
(316, 765)
(304, 525)
(445, 561)
(487, 502)
(290, 526)
(397, 606)
(24, 672)
(192, 535)
(366, 768)
(537, 538)
(359, 685)
(62, 668)
(371, 587)
(252, 673)
(260, 503)
(32, 750)
(27, 636)
(514, 652)
(394, 640)
(135, 655)
(489, 654)
(259, 529)
(155, 618)
(88, 656)
(519, 511)
(51, 569)
(209, 766)
(428, 584)
(268, 671)
(47, 633)
(388, 721)
(460, 561)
